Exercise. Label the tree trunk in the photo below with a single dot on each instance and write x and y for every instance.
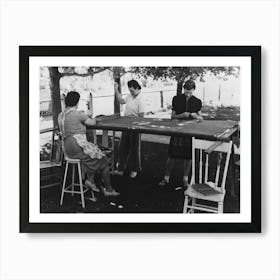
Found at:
(203, 95)
(55, 93)
(219, 96)
(117, 79)
(179, 87)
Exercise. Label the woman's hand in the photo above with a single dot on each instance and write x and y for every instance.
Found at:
(90, 121)
(196, 116)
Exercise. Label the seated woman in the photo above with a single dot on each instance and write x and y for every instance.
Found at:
(73, 123)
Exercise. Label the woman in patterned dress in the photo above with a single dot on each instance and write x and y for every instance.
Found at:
(72, 124)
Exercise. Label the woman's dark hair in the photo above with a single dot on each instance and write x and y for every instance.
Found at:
(189, 84)
(133, 84)
(72, 99)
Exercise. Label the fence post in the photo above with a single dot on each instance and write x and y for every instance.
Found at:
(91, 133)
(117, 79)
(89, 104)
(62, 99)
(161, 99)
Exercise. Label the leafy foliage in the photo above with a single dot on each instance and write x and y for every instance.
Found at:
(80, 71)
(183, 73)
(157, 73)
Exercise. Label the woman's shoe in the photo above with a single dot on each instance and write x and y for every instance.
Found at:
(110, 193)
(117, 172)
(133, 174)
(163, 183)
(91, 186)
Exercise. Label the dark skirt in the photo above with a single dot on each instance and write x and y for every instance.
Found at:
(130, 151)
(180, 147)
(73, 150)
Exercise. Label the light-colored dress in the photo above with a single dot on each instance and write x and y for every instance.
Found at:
(130, 142)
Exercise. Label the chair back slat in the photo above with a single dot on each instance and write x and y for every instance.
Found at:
(200, 166)
(226, 167)
(218, 169)
(205, 144)
(193, 161)
(206, 168)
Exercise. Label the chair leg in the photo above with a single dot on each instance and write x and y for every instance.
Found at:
(191, 211)
(81, 185)
(64, 183)
(73, 179)
(185, 209)
(193, 202)
(220, 207)
(232, 168)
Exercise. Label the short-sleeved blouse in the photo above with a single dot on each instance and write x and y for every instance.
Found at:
(181, 146)
(134, 105)
(74, 123)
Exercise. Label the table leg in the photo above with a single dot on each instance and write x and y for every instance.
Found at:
(232, 168)
(113, 151)
(105, 139)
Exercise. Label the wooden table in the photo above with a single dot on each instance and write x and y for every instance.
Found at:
(214, 130)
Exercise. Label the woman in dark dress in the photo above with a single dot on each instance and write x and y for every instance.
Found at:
(184, 107)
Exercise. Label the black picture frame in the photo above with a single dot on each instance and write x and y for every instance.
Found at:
(254, 52)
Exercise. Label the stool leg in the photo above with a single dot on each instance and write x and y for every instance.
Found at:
(64, 183)
(81, 185)
(73, 179)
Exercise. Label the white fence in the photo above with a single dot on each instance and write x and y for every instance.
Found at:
(104, 104)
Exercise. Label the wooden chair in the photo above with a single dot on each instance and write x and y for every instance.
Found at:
(201, 190)
(51, 169)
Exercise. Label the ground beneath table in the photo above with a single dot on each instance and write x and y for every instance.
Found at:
(139, 195)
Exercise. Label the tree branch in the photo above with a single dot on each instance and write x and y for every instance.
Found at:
(89, 73)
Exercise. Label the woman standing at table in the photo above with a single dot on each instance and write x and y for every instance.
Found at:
(130, 142)
(72, 124)
(184, 107)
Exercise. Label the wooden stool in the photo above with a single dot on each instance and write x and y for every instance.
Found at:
(71, 188)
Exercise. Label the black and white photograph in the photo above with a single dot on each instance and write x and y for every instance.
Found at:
(120, 139)
(139, 139)
(135, 143)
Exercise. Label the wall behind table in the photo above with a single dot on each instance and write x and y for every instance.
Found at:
(138, 256)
